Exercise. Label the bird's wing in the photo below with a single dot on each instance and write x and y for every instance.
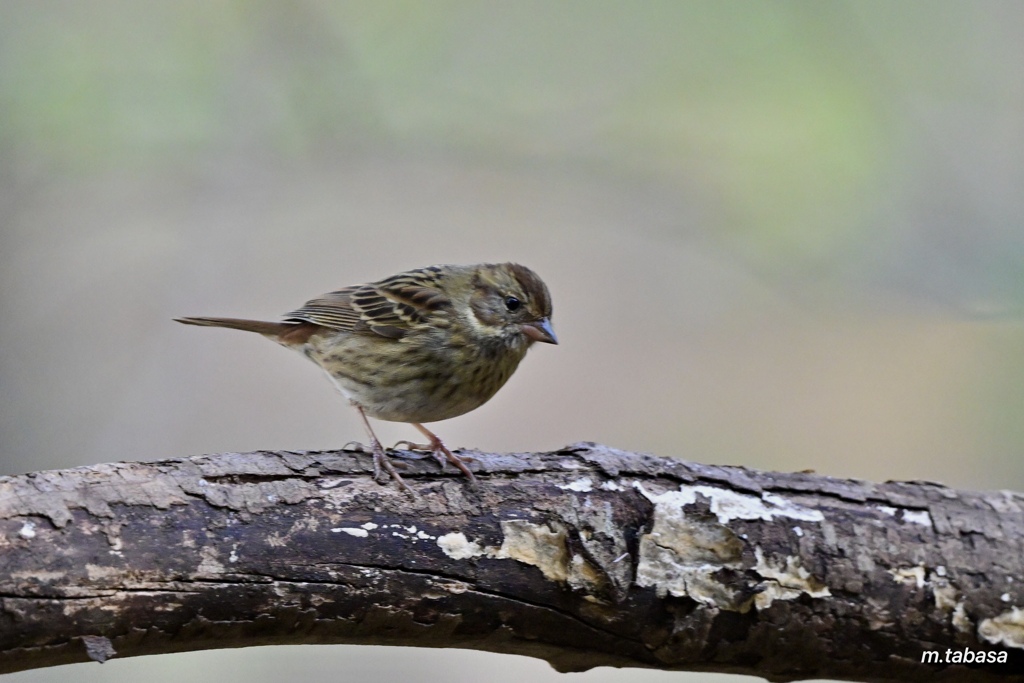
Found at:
(333, 310)
(390, 308)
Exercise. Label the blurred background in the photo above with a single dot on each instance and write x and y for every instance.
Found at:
(781, 235)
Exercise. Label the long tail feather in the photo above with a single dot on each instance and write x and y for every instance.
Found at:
(260, 326)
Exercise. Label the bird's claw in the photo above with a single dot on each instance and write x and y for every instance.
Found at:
(407, 445)
(426, 449)
(382, 463)
(411, 451)
(443, 454)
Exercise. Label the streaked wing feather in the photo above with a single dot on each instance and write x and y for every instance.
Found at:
(330, 310)
(390, 308)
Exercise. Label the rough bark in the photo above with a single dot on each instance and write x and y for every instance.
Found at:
(584, 557)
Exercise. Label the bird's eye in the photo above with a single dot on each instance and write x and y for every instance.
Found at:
(512, 303)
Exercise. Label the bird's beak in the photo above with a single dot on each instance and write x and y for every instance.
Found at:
(541, 331)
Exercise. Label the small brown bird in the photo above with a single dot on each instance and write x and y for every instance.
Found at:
(419, 346)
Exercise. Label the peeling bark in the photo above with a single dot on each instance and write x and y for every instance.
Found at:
(584, 557)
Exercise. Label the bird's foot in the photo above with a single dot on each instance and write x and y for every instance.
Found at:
(412, 451)
(441, 452)
(417, 451)
(381, 464)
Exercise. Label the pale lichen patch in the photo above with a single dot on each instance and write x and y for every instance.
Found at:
(961, 622)
(456, 546)
(948, 599)
(582, 485)
(787, 580)
(409, 533)
(28, 530)
(1007, 628)
(913, 575)
(533, 544)
(780, 506)
(351, 531)
(694, 581)
(946, 596)
(682, 555)
(536, 545)
(917, 517)
(728, 505)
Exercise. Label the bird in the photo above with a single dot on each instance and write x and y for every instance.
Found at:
(420, 346)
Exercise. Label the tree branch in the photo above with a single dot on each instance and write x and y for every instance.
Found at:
(584, 557)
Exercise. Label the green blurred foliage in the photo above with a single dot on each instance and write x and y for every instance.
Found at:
(793, 119)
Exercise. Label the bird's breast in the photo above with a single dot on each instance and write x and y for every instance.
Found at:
(415, 379)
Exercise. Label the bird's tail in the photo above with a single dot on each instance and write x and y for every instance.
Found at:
(260, 326)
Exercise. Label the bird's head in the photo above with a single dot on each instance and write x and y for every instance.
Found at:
(510, 302)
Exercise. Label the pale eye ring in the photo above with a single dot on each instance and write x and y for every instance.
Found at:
(512, 303)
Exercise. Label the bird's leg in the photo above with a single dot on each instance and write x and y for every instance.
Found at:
(381, 462)
(441, 452)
